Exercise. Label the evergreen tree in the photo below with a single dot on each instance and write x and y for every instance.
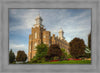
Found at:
(11, 56)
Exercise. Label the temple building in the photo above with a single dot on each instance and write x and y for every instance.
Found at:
(40, 35)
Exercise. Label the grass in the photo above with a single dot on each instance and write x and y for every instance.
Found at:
(67, 62)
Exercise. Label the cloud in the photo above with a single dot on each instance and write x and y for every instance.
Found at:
(18, 46)
(26, 16)
(73, 24)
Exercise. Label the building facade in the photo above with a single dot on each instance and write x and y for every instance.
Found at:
(40, 35)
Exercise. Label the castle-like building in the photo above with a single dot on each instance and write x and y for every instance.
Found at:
(40, 35)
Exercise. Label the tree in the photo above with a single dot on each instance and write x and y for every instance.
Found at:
(21, 56)
(41, 50)
(64, 52)
(87, 52)
(40, 54)
(54, 51)
(77, 47)
(11, 56)
(89, 40)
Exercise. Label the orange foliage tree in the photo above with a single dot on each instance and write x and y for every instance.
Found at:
(21, 56)
(54, 50)
(77, 48)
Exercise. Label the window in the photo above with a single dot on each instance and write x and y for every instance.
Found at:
(35, 35)
(44, 36)
(44, 42)
(35, 46)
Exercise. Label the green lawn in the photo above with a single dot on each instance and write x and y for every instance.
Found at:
(67, 62)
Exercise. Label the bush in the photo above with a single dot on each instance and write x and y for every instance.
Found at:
(37, 60)
(42, 60)
(55, 58)
(69, 56)
(88, 55)
(14, 63)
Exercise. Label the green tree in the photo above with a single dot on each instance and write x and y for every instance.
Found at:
(21, 56)
(77, 48)
(40, 54)
(64, 52)
(54, 51)
(41, 50)
(11, 56)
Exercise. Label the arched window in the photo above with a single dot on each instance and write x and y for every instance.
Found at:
(35, 46)
(45, 42)
(35, 35)
(44, 36)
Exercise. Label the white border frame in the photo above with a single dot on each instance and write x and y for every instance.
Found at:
(6, 67)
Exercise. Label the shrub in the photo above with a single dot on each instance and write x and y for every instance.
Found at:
(55, 58)
(37, 60)
(69, 56)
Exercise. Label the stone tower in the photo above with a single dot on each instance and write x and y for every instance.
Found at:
(38, 21)
(38, 35)
(35, 37)
(61, 34)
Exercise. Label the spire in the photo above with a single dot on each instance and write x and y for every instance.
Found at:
(39, 13)
(38, 17)
(61, 34)
(60, 30)
(38, 20)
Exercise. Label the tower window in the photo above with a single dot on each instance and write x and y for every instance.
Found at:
(45, 42)
(35, 46)
(35, 35)
(44, 36)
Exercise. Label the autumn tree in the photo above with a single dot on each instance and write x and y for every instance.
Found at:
(77, 47)
(21, 56)
(54, 50)
(11, 56)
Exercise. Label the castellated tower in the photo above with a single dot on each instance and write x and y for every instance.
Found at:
(40, 35)
(61, 34)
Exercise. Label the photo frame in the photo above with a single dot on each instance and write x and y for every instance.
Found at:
(46, 68)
